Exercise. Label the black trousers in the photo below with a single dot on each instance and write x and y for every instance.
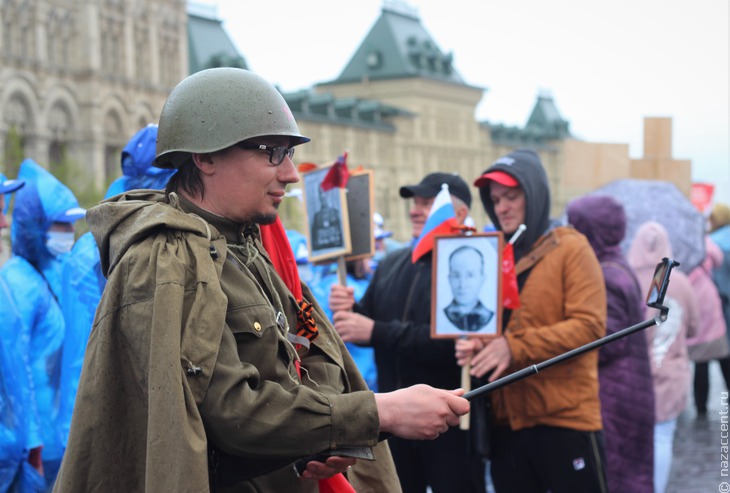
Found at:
(702, 382)
(444, 464)
(545, 458)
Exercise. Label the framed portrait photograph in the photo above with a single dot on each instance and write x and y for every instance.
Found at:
(466, 298)
(326, 220)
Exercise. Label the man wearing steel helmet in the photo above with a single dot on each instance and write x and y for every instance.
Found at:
(204, 370)
(547, 428)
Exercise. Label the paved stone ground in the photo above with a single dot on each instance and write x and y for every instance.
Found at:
(696, 466)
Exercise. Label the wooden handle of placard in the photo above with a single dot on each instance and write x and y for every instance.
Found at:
(466, 385)
(342, 270)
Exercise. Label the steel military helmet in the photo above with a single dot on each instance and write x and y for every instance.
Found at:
(216, 108)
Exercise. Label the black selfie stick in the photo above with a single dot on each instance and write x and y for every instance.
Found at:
(531, 370)
(301, 464)
(656, 300)
(657, 291)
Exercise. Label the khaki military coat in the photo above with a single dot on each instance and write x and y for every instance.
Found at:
(191, 349)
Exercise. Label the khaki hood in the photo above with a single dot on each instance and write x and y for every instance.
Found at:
(122, 221)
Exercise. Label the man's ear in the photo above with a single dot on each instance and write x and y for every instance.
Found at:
(204, 162)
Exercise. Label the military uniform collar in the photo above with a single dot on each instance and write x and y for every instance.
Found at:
(233, 232)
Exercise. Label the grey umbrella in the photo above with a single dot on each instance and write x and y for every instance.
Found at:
(663, 202)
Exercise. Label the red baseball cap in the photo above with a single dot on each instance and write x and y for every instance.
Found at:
(501, 177)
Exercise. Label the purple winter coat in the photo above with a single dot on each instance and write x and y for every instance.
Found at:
(624, 371)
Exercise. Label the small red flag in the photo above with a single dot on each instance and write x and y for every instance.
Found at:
(338, 174)
(335, 484)
(510, 290)
(701, 195)
(304, 167)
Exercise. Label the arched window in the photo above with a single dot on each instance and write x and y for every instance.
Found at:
(113, 145)
(60, 127)
(25, 25)
(18, 119)
(169, 50)
(142, 45)
(112, 38)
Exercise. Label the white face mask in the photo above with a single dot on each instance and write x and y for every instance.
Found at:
(59, 242)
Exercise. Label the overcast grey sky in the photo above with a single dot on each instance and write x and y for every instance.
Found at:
(607, 64)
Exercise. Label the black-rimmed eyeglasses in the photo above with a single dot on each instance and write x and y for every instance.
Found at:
(276, 153)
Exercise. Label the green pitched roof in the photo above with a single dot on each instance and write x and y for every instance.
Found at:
(398, 46)
(209, 45)
(546, 118)
(544, 125)
(365, 113)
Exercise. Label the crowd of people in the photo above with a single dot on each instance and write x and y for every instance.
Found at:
(186, 343)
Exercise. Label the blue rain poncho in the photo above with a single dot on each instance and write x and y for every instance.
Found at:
(364, 356)
(33, 276)
(82, 279)
(19, 426)
(137, 169)
(319, 279)
(83, 284)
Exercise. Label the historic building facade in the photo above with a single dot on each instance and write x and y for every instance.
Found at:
(401, 108)
(79, 77)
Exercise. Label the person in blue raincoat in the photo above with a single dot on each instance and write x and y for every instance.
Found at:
(358, 277)
(298, 242)
(83, 281)
(20, 444)
(320, 278)
(41, 234)
(137, 169)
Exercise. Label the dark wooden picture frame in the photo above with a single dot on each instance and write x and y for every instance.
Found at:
(360, 208)
(327, 226)
(467, 271)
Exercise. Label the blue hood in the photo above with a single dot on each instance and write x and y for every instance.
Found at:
(41, 202)
(137, 158)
